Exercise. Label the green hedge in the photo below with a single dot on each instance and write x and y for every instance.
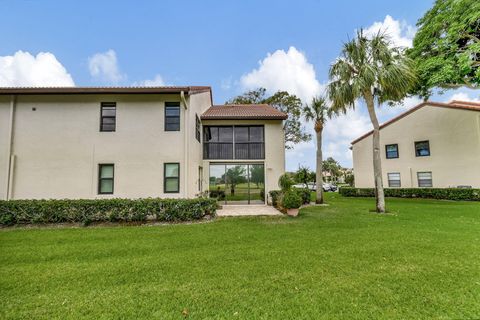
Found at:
(429, 193)
(102, 210)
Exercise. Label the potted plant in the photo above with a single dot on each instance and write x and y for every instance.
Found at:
(291, 201)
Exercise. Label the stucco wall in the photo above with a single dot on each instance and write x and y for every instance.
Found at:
(274, 150)
(199, 103)
(58, 146)
(4, 141)
(454, 159)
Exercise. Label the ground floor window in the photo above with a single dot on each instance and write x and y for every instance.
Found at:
(424, 179)
(394, 180)
(237, 183)
(106, 173)
(171, 180)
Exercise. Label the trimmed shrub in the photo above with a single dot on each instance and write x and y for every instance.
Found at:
(102, 210)
(219, 194)
(291, 200)
(305, 195)
(276, 196)
(427, 193)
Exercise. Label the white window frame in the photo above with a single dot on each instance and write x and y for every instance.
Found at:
(390, 180)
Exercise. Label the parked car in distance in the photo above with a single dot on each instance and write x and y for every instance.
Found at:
(329, 187)
(300, 186)
(312, 186)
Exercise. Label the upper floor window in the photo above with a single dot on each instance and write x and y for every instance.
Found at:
(108, 114)
(391, 151)
(218, 142)
(422, 148)
(424, 179)
(197, 128)
(172, 116)
(249, 142)
(233, 142)
(394, 180)
(105, 178)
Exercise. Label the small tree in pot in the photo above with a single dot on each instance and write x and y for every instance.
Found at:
(285, 182)
(292, 201)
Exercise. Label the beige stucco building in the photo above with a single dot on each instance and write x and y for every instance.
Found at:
(431, 145)
(134, 143)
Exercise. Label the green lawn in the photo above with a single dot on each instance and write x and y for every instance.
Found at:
(340, 261)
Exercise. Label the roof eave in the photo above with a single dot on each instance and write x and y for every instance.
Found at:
(101, 90)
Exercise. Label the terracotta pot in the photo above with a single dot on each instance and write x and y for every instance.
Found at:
(293, 212)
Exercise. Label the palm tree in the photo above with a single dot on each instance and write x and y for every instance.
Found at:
(374, 70)
(317, 112)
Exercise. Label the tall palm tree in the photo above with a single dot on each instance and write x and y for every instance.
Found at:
(371, 69)
(317, 112)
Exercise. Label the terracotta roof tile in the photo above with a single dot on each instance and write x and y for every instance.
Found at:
(243, 111)
(454, 104)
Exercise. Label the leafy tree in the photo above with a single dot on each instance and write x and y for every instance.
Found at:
(318, 112)
(333, 167)
(446, 47)
(303, 176)
(235, 176)
(256, 174)
(312, 176)
(373, 70)
(282, 101)
(350, 179)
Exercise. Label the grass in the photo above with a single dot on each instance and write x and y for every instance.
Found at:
(336, 261)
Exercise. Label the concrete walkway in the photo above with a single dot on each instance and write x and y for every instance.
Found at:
(247, 210)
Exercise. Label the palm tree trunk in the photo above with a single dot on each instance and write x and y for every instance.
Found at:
(319, 168)
(377, 162)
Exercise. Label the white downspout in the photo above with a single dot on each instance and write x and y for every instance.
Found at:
(185, 126)
(10, 156)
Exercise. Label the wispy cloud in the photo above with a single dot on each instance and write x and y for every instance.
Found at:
(104, 67)
(400, 32)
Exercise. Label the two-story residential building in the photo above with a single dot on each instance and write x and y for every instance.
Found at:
(136, 142)
(431, 145)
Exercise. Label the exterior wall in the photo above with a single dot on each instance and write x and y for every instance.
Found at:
(199, 103)
(274, 161)
(58, 146)
(454, 136)
(4, 142)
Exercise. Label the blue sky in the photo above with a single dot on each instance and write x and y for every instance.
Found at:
(229, 45)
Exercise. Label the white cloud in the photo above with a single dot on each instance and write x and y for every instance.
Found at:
(104, 66)
(342, 130)
(289, 71)
(400, 32)
(157, 81)
(462, 96)
(24, 69)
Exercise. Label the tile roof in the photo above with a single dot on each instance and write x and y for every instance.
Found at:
(454, 104)
(103, 90)
(243, 111)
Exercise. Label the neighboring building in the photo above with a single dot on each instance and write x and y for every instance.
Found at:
(136, 142)
(431, 145)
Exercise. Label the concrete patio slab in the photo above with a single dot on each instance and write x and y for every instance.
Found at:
(247, 210)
